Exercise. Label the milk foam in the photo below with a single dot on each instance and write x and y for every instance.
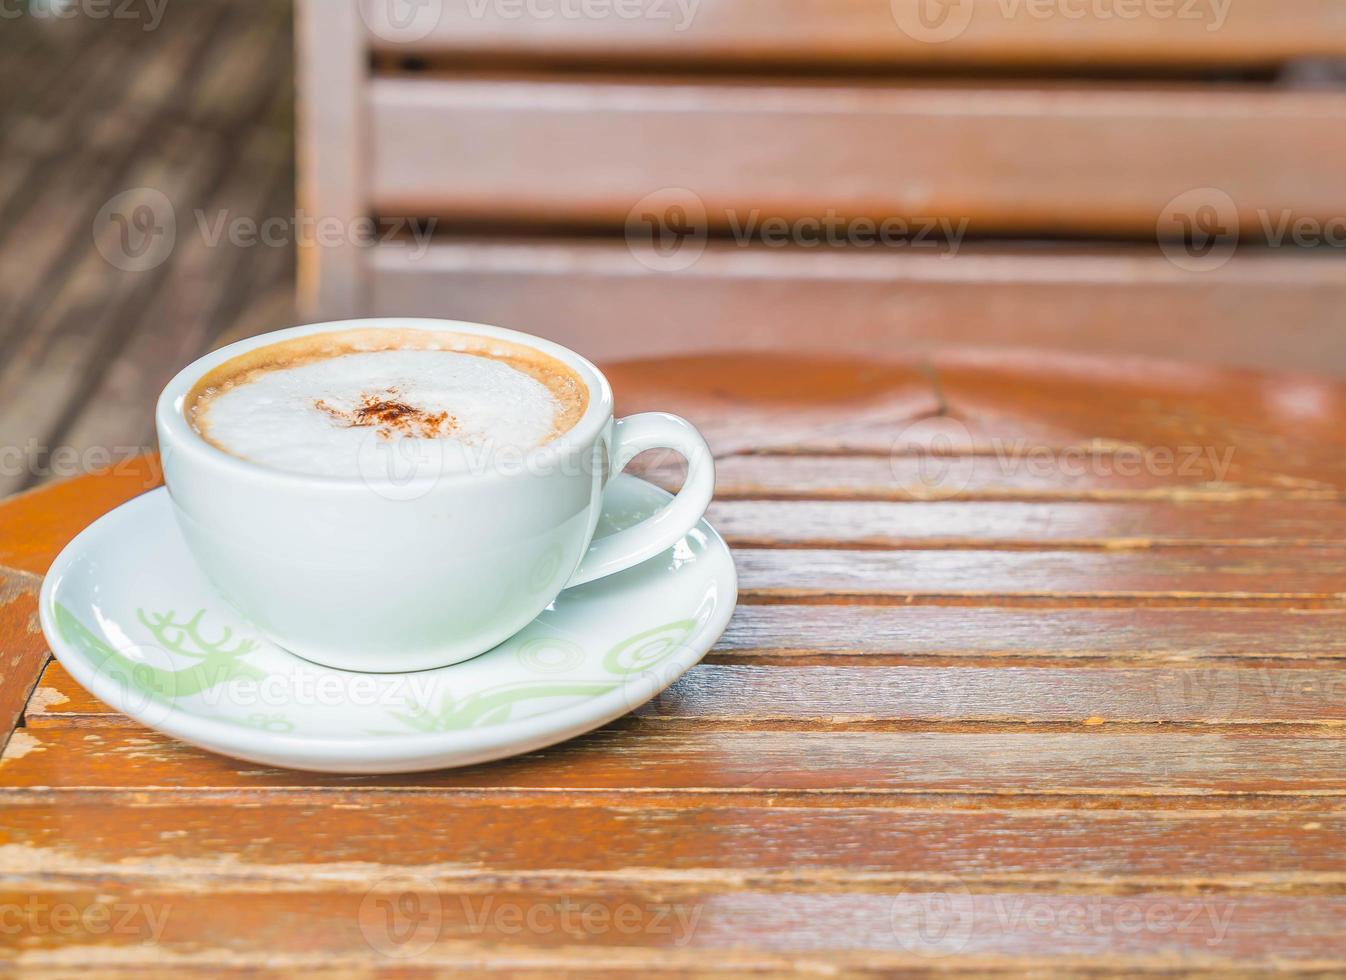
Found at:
(319, 417)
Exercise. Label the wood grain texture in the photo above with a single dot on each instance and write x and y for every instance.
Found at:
(1083, 717)
(654, 928)
(23, 651)
(1282, 429)
(1186, 473)
(967, 154)
(1017, 524)
(330, 75)
(71, 300)
(190, 101)
(594, 295)
(35, 526)
(1075, 633)
(691, 760)
(447, 837)
(870, 33)
(1187, 573)
(201, 296)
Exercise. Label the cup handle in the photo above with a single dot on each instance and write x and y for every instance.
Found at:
(632, 436)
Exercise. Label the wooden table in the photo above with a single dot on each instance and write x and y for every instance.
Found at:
(1038, 664)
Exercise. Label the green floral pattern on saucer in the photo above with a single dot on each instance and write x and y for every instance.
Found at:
(214, 661)
(495, 705)
(218, 662)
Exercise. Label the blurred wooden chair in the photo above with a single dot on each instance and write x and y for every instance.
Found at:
(590, 177)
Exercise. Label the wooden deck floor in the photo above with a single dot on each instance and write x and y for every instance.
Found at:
(197, 107)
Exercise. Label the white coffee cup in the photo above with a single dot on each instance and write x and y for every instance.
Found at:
(422, 564)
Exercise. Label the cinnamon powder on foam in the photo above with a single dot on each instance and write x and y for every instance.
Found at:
(392, 417)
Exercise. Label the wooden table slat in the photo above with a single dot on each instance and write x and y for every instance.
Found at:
(688, 758)
(1193, 573)
(1006, 635)
(1027, 525)
(867, 848)
(691, 931)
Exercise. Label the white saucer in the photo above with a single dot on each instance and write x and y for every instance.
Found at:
(127, 612)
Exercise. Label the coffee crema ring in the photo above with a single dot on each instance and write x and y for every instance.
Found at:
(281, 406)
